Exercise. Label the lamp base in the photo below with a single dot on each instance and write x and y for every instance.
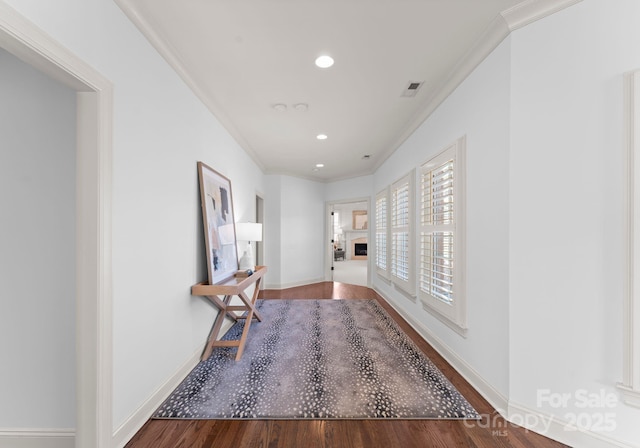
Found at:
(246, 262)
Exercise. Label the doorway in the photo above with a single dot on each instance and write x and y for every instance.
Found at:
(348, 236)
(93, 338)
(260, 220)
(37, 241)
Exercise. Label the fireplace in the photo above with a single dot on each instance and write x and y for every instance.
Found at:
(358, 248)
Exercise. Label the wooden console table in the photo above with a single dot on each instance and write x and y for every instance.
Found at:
(235, 286)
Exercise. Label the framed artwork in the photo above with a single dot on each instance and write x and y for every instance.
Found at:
(360, 220)
(218, 220)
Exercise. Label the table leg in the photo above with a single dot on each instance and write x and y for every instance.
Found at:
(217, 324)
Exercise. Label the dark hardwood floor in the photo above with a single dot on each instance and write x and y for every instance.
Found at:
(491, 431)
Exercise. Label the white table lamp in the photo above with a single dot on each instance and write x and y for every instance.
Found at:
(248, 231)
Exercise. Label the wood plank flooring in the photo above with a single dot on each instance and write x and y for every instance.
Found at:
(492, 431)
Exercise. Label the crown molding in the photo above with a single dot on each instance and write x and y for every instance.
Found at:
(322, 180)
(509, 20)
(170, 55)
(529, 11)
(495, 33)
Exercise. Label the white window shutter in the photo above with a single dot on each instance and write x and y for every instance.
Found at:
(402, 266)
(382, 230)
(442, 276)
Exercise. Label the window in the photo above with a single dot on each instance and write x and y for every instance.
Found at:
(442, 235)
(382, 228)
(401, 214)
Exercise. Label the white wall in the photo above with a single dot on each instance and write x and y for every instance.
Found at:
(543, 120)
(345, 214)
(356, 188)
(300, 233)
(272, 232)
(566, 191)
(160, 130)
(37, 248)
(479, 109)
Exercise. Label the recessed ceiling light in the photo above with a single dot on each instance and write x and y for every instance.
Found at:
(324, 61)
(280, 107)
(319, 165)
(321, 136)
(301, 107)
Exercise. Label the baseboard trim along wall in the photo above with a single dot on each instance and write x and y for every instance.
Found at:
(493, 396)
(37, 438)
(293, 284)
(560, 430)
(133, 424)
(547, 425)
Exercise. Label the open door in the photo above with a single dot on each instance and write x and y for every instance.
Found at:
(348, 237)
(259, 252)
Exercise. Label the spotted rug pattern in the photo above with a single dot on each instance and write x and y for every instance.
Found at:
(318, 359)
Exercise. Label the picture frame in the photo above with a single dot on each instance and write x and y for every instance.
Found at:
(360, 220)
(219, 224)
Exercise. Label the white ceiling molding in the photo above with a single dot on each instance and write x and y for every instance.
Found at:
(492, 37)
(170, 55)
(509, 20)
(505, 22)
(531, 10)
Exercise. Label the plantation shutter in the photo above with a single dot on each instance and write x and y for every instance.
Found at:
(438, 229)
(400, 232)
(381, 232)
(442, 238)
(401, 214)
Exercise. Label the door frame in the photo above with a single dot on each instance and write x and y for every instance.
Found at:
(259, 252)
(94, 93)
(329, 206)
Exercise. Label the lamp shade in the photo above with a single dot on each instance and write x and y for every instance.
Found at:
(249, 231)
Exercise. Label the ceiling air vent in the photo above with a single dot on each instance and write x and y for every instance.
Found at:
(411, 89)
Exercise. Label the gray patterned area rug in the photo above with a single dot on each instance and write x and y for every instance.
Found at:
(318, 359)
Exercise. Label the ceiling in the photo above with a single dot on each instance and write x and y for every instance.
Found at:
(242, 57)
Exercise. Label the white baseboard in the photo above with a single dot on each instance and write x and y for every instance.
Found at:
(37, 438)
(133, 424)
(560, 430)
(493, 396)
(547, 425)
(293, 284)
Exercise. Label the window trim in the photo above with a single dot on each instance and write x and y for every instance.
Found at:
(407, 285)
(384, 194)
(630, 385)
(453, 314)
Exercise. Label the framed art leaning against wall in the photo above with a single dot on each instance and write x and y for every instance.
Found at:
(218, 220)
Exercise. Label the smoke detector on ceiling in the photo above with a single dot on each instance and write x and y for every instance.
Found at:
(411, 89)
